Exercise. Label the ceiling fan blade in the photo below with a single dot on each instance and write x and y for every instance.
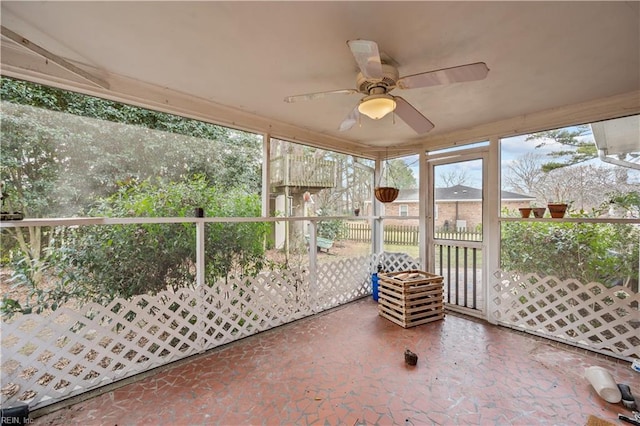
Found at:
(350, 121)
(412, 116)
(469, 72)
(367, 56)
(318, 95)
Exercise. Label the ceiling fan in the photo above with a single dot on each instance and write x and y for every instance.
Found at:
(377, 78)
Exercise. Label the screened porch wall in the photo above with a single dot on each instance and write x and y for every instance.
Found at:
(52, 356)
(570, 289)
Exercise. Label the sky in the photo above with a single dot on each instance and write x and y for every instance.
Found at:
(511, 148)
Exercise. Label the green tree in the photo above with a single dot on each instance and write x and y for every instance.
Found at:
(102, 262)
(399, 175)
(570, 176)
(52, 99)
(602, 252)
(577, 148)
(62, 151)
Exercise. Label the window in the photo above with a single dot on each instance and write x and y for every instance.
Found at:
(318, 182)
(66, 154)
(403, 210)
(593, 167)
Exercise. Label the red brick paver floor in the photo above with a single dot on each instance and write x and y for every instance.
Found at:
(346, 367)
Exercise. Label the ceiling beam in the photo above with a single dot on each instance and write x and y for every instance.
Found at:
(18, 63)
(41, 51)
(616, 106)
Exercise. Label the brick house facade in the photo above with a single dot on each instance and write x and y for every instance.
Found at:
(456, 207)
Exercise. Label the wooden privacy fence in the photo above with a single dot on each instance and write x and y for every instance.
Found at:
(402, 234)
(356, 231)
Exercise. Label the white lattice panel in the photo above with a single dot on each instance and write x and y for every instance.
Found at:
(394, 262)
(342, 281)
(237, 308)
(48, 358)
(589, 314)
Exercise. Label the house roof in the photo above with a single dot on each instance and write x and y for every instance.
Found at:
(233, 63)
(458, 193)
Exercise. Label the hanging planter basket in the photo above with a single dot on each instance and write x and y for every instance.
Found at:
(386, 194)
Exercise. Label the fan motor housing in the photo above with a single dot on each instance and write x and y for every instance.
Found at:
(388, 81)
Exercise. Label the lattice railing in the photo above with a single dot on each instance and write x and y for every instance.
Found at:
(393, 262)
(590, 314)
(46, 358)
(343, 281)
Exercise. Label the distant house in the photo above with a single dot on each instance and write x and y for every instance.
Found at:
(457, 207)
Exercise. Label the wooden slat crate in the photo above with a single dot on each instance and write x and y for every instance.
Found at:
(410, 298)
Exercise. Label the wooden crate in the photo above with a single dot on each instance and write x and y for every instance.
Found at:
(410, 298)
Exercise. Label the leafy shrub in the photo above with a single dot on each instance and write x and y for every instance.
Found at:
(36, 296)
(103, 262)
(330, 229)
(602, 252)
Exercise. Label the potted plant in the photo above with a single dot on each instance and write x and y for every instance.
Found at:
(525, 212)
(557, 209)
(538, 212)
(386, 194)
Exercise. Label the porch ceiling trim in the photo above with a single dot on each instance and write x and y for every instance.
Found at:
(621, 105)
(22, 64)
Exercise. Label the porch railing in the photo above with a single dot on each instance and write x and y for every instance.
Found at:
(460, 265)
(589, 315)
(47, 358)
(574, 280)
(58, 354)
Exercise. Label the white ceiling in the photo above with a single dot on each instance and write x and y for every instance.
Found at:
(250, 55)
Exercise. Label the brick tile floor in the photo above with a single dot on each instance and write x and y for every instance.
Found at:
(346, 367)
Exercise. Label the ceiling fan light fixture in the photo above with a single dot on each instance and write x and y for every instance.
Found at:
(377, 106)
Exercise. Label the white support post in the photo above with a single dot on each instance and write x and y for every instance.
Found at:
(378, 210)
(423, 190)
(491, 230)
(200, 281)
(313, 264)
(266, 173)
(429, 195)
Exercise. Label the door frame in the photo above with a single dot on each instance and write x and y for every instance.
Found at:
(451, 157)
